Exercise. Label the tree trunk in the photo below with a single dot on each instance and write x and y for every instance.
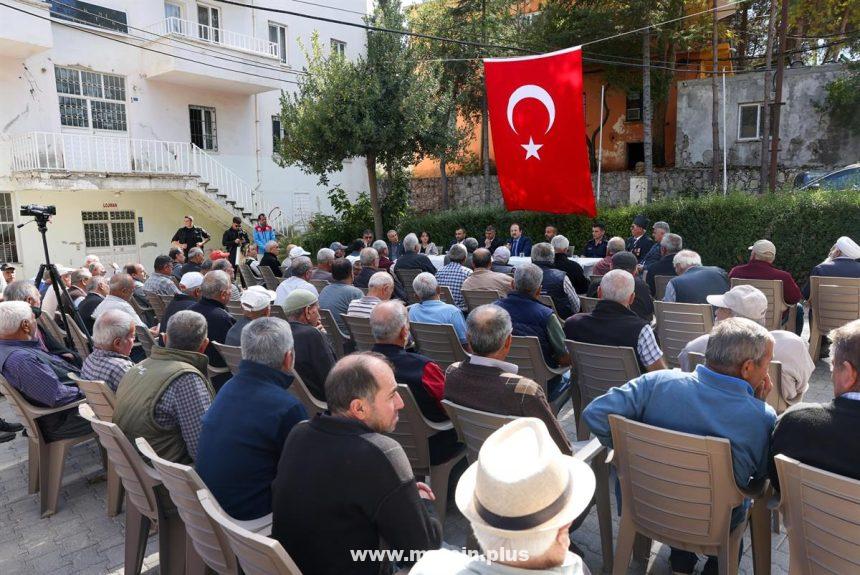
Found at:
(485, 147)
(743, 36)
(765, 109)
(647, 113)
(443, 176)
(777, 104)
(374, 196)
(715, 100)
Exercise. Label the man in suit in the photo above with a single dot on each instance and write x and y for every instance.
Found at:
(643, 304)
(695, 282)
(670, 245)
(596, 246)
(270, 258)
(519, 244)
(639, 243)
(395, 248)
(491, 239)
(97, 290)
(840, 263)
(411, 259)
(459, 236)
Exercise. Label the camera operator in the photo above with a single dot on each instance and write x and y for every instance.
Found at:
(189, 236)
(234, 239)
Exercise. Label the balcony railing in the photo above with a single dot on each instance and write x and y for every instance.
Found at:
(178, 27)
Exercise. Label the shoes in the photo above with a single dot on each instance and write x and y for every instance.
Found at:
(4, 437)
(682, 562)
(7, 427)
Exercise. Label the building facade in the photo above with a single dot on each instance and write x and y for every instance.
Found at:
(126, 115)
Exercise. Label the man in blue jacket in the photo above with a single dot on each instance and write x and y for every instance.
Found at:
(246, 426)
(263, 233)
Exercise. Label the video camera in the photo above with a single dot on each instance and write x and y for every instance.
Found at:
(37, 211)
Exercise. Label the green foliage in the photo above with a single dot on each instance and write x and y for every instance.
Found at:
(843, 99)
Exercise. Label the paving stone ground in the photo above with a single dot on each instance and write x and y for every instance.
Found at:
(80, 538)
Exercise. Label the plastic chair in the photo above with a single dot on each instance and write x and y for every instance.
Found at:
(547, 300)
(587, 304)
(660, 283)
(272, 282)
(209, 540)
(48, 324)
(234, 308)
(339, 340)
(231, 354)
(526, 354)
(439, 342)
(157, 304)
(406, 278)
(145, 504)
(46, 460)
(319, 284)
(248, 275)
(821, 513)
(679, 489)
(300, 389)
(833, 302)
(774, 398)
(776, 306)
(359, 331)
(475, 298)
(445, 295)
(413, 433)
(166, 300)
(599, 368)
(142, 311)
(257, 554)
(145, 339)
(680, 323)
(82, 344)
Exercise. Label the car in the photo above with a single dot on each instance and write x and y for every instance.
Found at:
(847, 178)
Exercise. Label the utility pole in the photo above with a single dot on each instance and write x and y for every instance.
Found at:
(765, 109)
(777, 104)
(715, 124)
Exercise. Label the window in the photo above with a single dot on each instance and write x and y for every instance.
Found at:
(89, 14)
(634, 107)
(278, 40)
(277, 131)
(173, 15)
(749, 121)
(8, 243)
(203, 132)
(208, 23)
(105, 229)
(91, 100)
(338, 48)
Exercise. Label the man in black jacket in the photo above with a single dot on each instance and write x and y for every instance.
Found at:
(270, 258)
(214, 295)
(643, 304)
(97, 289)
(343, 486)
(823, 435)
(670, 245)
(189, 287)
(560, 245)
(189, 236)
(369, 266)
(234, 239)
(314, 355)
(411, 259)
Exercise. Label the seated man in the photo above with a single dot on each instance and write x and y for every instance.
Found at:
(121, 292)
(256, 302)
(193, 262)
(97, 289)
(50, 303)
(325, 257)
(78, 290)
(659, 230)
(113, 338)
(225, 266)
(723, 398)
(459, 236)
(823, 435)
(245, 428)
(320, 516)
(555, 282)
(694, 282)
(639, 244)
(270, 258)
(177, 259)
(503, 518)
(314, 354)
(380, 287)
(643, 304)
(485, 381)
(491, 239)
(41, 377)
(483, 278)
(574, 271)
(163, 398)
(301, 270)
(841, 262)
(454, 274)
(613, 246)
(788, 348)
(369, 267)
(395, 248)
(190, 287)
(26, 291)
(431, 309)
(337, 295)
(670, 245)
(612, 322)
(214, 295)
(519, 244)
(501, 257)
(382, 249)
(161, 280)
(760, 267)
(596, 246)
(411, 259)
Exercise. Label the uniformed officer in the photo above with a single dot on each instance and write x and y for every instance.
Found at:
(639, 243)
(596, 246)
(189, 236)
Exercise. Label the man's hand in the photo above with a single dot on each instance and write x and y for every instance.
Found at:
(199, 245)
(765, 388)
(154, 330)
(237, 241)
(424, 491)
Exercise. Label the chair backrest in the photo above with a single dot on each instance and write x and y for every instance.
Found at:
(359, 331)
(834, 301)
(139, 309)
(445, 295)
(166, 299)
(137, 477)
(678, 487)
(772, 289)
(475, 298)
(300, 389)
(473, 426)
(248, 275)
(587, 304)
(49, 325)
(272, 282)
(547, 300)
(257, 554)
(23, 409)
(680, 323)
(439, 342)
(774, 370)
(526, 354)
(599, 368)
(413, 432)
(231, 354)
(319, 284)
(156, 303)
(100, 397)
(82, 344)
(338, 338)
(406, 278)
(144, 337)
(234, 308)
(820, 511)
(183, 483)
(660, 283)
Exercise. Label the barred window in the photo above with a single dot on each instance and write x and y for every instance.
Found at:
(204, 133)
(104, 229)
(8, 242)
(100, 103)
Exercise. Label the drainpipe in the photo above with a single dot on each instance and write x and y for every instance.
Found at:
(257, 149)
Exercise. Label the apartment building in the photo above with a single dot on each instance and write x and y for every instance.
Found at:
(128, 114)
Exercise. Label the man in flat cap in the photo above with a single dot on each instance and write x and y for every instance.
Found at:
(639, 244)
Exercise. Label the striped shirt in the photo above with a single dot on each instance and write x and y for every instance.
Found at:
(362, 307)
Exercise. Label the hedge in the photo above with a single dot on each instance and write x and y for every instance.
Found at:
(802, 225)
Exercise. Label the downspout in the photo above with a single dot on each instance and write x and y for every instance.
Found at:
(255, 208)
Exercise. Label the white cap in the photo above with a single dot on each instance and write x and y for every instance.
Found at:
(298, 251)
(262, 289)
(744, 301)
(254, 300)
(191, 280)
(763, 248)
(848, 247)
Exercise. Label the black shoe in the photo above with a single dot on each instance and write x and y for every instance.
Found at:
(4, 437)
(7, 427)
(682, 562)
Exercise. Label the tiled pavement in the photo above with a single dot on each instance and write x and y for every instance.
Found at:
(80, 538)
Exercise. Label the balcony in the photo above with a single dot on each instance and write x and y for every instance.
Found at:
(22, 35)
(184, 64)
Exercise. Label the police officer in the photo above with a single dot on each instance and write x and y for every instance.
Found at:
(596, 246)
(234, 239)
(189, 236)
(639, 243)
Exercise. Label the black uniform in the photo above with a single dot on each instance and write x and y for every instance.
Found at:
(640, 246)
(228, 240)
(190, 236)
(593, 250)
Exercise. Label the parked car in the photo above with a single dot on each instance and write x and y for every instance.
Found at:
(847, 178)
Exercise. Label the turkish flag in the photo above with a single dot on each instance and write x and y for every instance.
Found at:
(536, 111)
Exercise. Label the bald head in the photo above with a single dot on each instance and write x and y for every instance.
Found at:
(488, 330)
(381, 285)
(389, 323)
(482, 258)
(122, 286)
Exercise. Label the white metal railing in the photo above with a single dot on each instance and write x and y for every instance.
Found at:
(178, 27)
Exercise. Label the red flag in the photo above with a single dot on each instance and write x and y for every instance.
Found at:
(535, 106)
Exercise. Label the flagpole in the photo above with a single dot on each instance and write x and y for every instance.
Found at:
(725, 129)
(600, 148)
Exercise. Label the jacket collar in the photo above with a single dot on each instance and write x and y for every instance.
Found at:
(212, 303)
(197, 360)
(607, 307)
(338, 425)
(712, 378)
(258, 373)
(20, 343)
(480, 361)
(387, 349)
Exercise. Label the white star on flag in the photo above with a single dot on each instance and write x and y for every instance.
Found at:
(531, 148)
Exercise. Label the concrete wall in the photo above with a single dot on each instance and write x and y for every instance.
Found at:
(808, 138)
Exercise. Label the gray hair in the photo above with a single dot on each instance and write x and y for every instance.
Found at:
(387, 319)
(325, 255)
(214, 284)
(560, 242)
(615, 245)
(380, 279)
(112, 324)
(672, 243)
(95, 282)
(487, 328)
(617, 286)
(194, 252)
(734, 341)
(501, 255)
(380, 245)
(368, 256)
(121, 282)
(20, 290)
(80, 275)
(267, 340)
(186, 330)
(410, 242)
(543, 253)
(686, 259)
(352, 378)
(625, 261)
(661, 226)
(457, 253)
(222, 265)
(271, 244)
(528, 278)
(425, 286)
(471, 244)
(300, 266)
(845, 345)
(12, 314)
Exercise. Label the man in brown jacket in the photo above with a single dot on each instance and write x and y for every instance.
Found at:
(488, 383)
(483, 278)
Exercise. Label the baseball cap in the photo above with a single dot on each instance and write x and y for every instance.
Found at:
(335, 246)
(763, 248)
(298, 299)
(254, 300)
(191, 280)
(298, 251)
(271, 295)
(6, 266)
(744, 300)
(218, 255)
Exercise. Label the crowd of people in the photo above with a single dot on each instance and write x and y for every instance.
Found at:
(334, 481)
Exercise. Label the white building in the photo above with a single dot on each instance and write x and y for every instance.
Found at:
(127, 114)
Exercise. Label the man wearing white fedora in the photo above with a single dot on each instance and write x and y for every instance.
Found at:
(520, 498)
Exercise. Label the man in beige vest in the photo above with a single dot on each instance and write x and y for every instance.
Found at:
(484, 278)
(163, 398)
